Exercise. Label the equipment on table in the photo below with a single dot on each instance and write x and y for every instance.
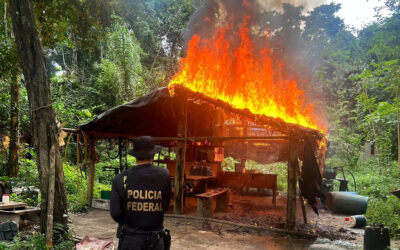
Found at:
(330, 175)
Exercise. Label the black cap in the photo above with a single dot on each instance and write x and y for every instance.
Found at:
(144, 147)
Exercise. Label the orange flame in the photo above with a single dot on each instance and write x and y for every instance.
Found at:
(243, 76)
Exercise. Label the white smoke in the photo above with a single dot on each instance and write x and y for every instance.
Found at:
(276, 5)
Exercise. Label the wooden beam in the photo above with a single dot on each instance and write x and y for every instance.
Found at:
(103, 135)
(293, 164)
(180, 155)
(71, 130)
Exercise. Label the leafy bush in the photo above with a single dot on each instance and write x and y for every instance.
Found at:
(386, 212)
(36, 241)
(31, 241)
(376, 179)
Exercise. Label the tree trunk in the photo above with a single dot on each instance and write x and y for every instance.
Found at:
(126, 95)
(50, 200)
(398, 127)
(13, 153)
(43, 120)
(5, 18)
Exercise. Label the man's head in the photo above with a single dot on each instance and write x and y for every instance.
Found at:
(144, 149)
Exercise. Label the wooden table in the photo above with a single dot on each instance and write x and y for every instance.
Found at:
(12, 205)
(12, 211)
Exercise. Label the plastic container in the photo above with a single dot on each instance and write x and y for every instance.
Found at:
(376, 238)
(345, 203)
(349, 192)
(356, 221)
(105, 194)
(5, 198)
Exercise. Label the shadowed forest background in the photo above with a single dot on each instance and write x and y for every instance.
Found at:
(107, 52)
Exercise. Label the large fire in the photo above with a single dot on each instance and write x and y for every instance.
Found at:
(244, 76)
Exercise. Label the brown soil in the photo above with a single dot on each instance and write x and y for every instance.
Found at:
(258, 211)
(251, 210)
(187, 235)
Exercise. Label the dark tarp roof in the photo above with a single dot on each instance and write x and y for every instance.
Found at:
(152, 114)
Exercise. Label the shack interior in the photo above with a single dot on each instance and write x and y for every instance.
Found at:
(201, 132)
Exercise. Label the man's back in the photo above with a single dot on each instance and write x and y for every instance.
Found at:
(140, 196)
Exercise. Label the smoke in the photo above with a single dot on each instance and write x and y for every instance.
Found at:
(276, 5)
(276, 23)
(264, 15)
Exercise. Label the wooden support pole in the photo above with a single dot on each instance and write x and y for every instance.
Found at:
(92, 163)
(180, 156)
(244, 150)
(204, 207)
(293, 164)
(303, 209)
(78, 161)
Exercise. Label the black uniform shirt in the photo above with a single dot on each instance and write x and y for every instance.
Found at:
(140, 196)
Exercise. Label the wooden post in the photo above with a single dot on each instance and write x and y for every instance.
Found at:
(222, 203)
(77, 162)
(92, 163)
(303, 209)
(293, 164)
(180, 155)
(302, 202)
(50, 199)
(204, 207)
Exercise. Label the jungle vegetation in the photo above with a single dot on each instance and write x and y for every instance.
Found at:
(102, 53)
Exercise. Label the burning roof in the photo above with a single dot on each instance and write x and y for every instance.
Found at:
(155, 114)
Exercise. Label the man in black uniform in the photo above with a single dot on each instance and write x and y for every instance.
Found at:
(139, 198)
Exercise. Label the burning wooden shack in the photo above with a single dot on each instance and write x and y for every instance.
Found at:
(202, 131)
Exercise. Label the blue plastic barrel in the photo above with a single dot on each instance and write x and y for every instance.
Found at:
(349, 192)
(345, 203)
(358, 221)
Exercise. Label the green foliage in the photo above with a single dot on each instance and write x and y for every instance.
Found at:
(386, 212)
(103, 53)
(376, 180)
(125, 52)
(279, 168)
(345, 149)
(36, 241)
(229, 164)
(31, 241)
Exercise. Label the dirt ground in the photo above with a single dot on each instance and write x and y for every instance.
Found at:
(185, 235)
(330, 229)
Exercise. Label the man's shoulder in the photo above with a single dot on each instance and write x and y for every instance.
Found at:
(120, 175)
(161, 170)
